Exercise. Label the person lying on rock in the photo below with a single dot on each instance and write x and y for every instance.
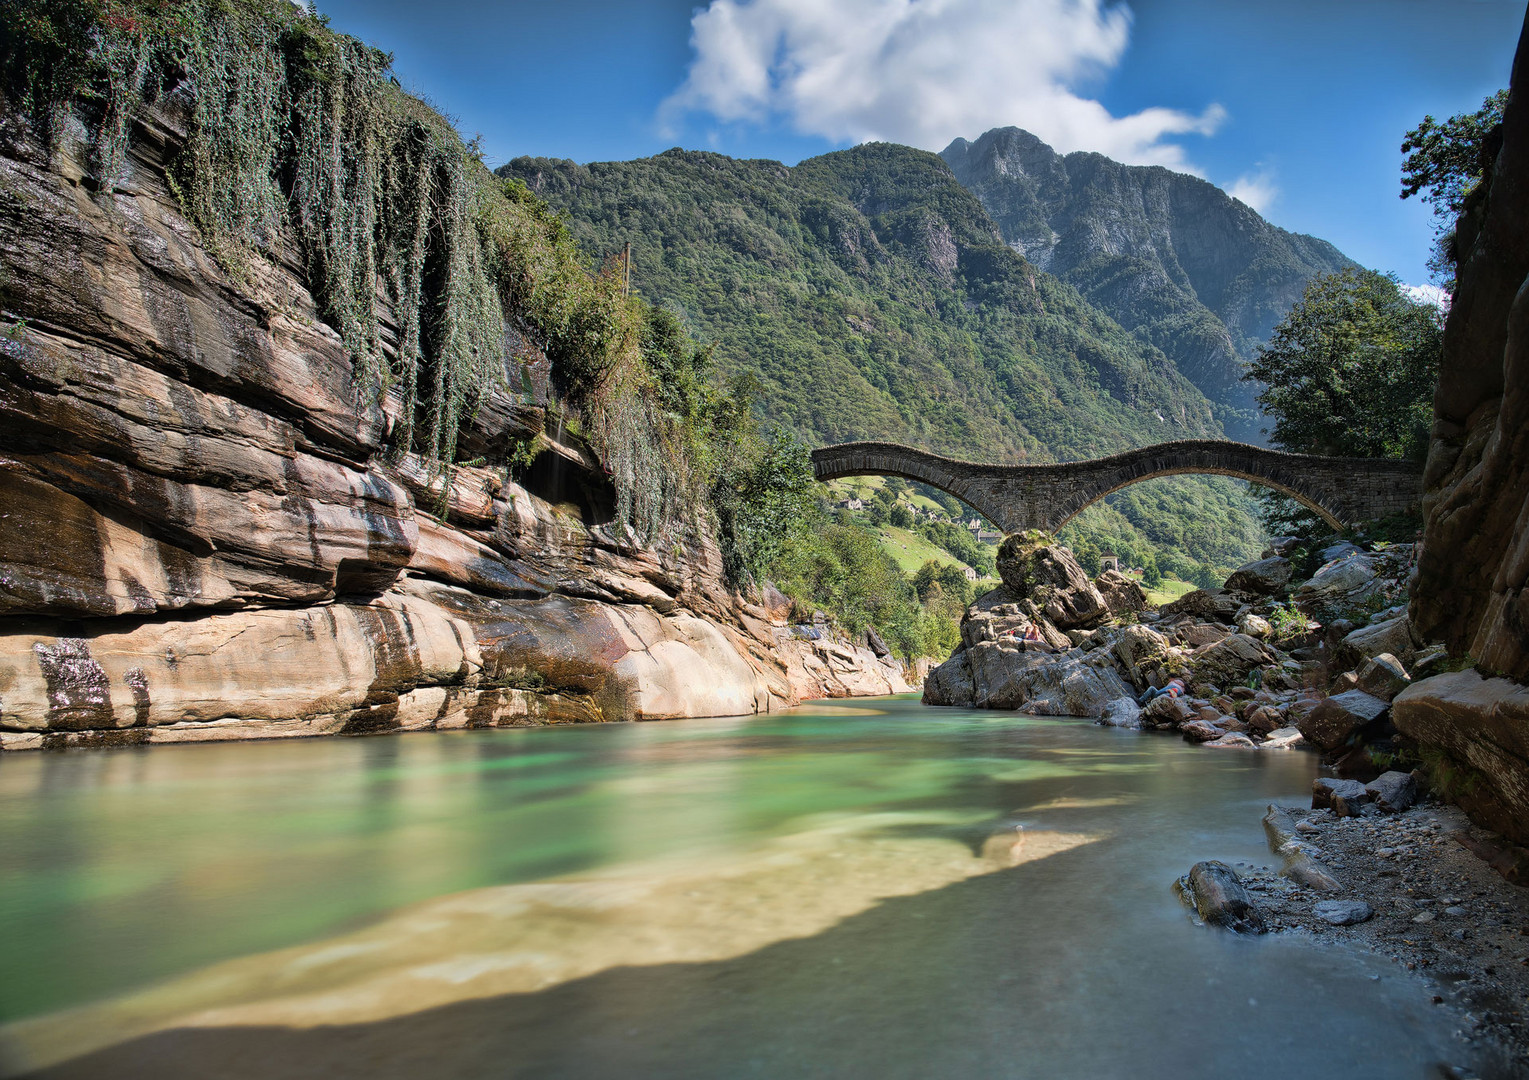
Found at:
(1175, 688)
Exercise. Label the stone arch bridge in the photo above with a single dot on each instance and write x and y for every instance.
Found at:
(1344, 491)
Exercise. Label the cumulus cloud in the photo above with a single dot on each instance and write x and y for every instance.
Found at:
(923, 72)
(1256, 188)
(1428, 294)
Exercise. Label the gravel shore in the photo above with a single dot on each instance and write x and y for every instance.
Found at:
(1435, 908)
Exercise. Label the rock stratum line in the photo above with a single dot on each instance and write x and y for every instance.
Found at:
(1344, 491)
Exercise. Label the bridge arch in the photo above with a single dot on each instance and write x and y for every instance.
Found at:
(1344, 491)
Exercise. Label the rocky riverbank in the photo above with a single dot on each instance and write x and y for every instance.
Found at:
(1418, 886)
(204, 534)
(1265, 662)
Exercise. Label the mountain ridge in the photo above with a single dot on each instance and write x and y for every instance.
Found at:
(1170, 256)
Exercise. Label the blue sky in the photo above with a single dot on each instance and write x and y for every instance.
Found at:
(1298, 106)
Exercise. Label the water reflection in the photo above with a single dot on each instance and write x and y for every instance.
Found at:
(841, 890)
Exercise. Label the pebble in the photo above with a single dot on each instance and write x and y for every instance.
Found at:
(1454, 911)
(1343, 912)
(1426, 916)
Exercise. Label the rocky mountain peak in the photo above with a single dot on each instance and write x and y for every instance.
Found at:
(1170, 256)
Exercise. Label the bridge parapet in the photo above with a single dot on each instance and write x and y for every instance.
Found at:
(1344, 491)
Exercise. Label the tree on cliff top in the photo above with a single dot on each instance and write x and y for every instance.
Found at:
(1445, 161)
(1350, 372)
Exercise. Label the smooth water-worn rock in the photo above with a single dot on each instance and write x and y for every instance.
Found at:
(1229, 661)
(1342, 912)
(1334, 719)
(1337, 578)
(1483, 726)
(1391, 636)
(1218, 605)
(1393, 791)
(1383, 676)
(1139, 649)
(1222, 900)
(1324, 789)
(202, 537)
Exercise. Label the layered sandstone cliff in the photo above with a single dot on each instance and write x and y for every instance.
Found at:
(1472, 589)
(203, 536)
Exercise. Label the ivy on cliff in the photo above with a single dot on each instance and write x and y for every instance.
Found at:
(415, 253)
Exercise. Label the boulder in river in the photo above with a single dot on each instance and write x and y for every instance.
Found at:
(1201, 731)
(1166, 711)
(1044, 684)
(951, 682)
(1221, 899)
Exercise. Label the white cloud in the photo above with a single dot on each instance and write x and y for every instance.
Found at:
(922, 72)
(1428, 294)
(1256, 188)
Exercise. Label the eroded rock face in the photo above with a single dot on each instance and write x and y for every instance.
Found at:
(1471, 591)
(1473, 584)
(190, 476)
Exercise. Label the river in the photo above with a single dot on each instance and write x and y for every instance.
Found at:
(872, 888)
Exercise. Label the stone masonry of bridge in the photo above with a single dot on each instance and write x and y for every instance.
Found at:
(1345, 491)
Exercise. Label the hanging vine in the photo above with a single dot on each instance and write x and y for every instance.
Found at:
(297, 131)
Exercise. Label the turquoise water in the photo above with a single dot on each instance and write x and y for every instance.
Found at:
(832, 891)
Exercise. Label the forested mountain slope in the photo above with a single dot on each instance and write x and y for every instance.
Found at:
(1169, 256)
(873, 297)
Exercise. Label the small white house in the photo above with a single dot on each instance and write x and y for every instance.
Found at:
(971, 575)
(1109, 561)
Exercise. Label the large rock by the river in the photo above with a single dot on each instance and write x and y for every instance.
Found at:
(1483, 726)
(1006, 676)
(1338, 579)
(1334, 719)
(951, 682)
(1227, 663)
(1048, 576)
(1389, 636)
(1222, 900)
(1140, 648)
(1265, 577)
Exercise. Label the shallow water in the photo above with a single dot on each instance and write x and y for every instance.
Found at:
(879, 889)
